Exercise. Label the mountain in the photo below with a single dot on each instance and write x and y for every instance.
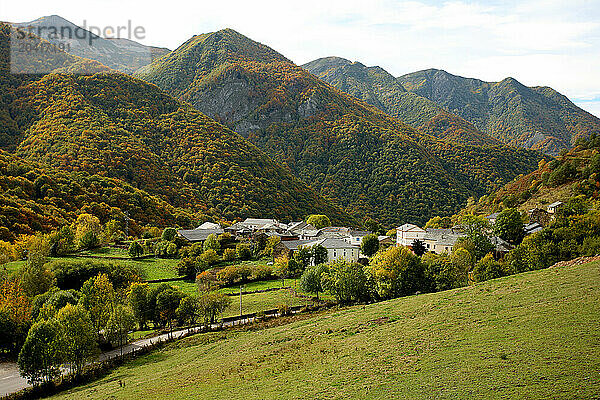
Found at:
(118, 53)
(114, 126)
(370, 162)
(382, 90)
(532, 117)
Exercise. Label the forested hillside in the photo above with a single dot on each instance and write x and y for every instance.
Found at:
(370, 162)
(380, 89)
(573, 174)
(118, 129)
(532, 117)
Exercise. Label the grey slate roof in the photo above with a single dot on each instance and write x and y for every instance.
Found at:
(330, 243)
(443, 237)
(198, 235)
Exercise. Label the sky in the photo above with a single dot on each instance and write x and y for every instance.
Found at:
(540, 43)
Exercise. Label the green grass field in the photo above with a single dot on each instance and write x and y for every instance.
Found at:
(533, 335)
(153, 268)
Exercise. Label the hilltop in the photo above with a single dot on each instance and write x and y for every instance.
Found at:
(533, 117)
(382, 90)
(115, 126)
(121, 54)
(505, 338)
(347, 150)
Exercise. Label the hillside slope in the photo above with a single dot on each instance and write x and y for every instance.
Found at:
(113, 125)
(538, 117)
(574, 173)
(371, 163)
(382, 90)
(534, 335)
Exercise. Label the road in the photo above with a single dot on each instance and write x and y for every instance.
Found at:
(11, 381)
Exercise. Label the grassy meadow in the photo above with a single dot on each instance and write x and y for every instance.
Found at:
(532, 335)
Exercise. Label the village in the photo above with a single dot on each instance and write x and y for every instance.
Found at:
(344, 243)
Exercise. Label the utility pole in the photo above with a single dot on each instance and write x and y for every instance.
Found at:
(126, 225)
(241, 300)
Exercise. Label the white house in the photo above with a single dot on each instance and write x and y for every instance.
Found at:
(408, 233)
(440, 240)
(356, 237)
(552, 208)
(338, 249)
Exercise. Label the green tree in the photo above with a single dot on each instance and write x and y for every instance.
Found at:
(136, 250)
(210, 257)
(488, 268)
(42, 353)
(137, 298)
(212, 304)
(36, 276)
(78, 336)
(98, 298)
(188, 310)
(509, 225)
(303, 256)
(418, 247)
(345, 281)
(396, 272)
(243, 251)
(88, 230)
(169, 234)
(167, 303)
(310, 281)
(318, 254)
(212, 243)
(369, 245)
(319, 221)
(120, 323)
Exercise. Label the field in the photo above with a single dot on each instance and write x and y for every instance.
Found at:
(533, 335)
(152, 268)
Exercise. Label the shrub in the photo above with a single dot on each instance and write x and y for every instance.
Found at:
(228, 254)
(243, 251)
(210, 257)
(487, 268)
(262, 272)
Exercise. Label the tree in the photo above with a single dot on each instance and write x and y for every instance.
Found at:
(318, 254)
(418, 247)
(78, 336)
(488, 268)
(310, 281)
(16, 306)
(369, 245)
(88, 230)
(243, 251)
(210, 257)
(212, 243)
(62, 241)
(228, 254)
(319, 221)
(346, 281)
(137, 298)
(42, 353)
(120, 323)
(396, 272)
(272, 242)
(166, 305)
(136, 250)
(8, 252)
(212, 304)
(98, 298)
(112, 232)
(303, 256)
(37, 277)
(188, 310)
(372, 226)
(509, 226)
(169, 234)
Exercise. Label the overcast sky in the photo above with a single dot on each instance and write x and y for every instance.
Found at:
(539, 42)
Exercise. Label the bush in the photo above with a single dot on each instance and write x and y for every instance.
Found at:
(136, 250)
(169, 234)
(262, 272)
(487, 268)
(210, 257)
(72, 274)
(228, 254)
(228, 275)
(243, 251)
